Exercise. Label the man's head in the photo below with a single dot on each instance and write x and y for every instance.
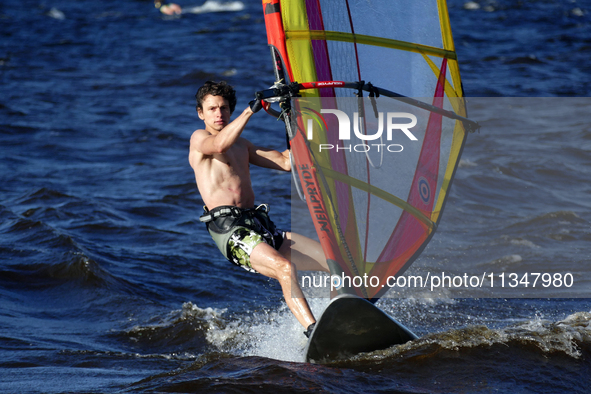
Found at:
(216, 89)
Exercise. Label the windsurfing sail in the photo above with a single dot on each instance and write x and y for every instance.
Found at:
(375, 186)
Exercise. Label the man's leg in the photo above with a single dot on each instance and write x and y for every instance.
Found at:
(305, 253)
(269, 262)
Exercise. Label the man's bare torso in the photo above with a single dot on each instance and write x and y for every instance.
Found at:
(220, 157)
(224, 178)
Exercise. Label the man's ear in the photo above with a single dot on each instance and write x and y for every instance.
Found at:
(200, 113)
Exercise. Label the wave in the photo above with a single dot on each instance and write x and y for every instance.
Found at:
(182, 331)
(550, 219)
(42, 257)
(570, 337)
(535, 355)
(215, 6)
(194, 331)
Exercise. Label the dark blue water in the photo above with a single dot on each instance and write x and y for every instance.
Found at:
(109, 283)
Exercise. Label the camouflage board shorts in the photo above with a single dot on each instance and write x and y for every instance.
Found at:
(236, 231)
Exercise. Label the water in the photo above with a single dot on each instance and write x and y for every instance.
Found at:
(109, 283)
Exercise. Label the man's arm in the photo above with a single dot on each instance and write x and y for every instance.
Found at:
(209, 144)
(269, 158)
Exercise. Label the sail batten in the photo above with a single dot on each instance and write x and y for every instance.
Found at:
(324, 35)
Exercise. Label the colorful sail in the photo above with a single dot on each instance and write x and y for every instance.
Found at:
(374, 209)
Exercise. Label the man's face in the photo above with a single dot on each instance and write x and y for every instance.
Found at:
(215, 112)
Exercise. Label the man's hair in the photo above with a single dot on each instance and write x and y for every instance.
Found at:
(216, 89)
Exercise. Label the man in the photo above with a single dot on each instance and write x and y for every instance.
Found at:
(168, 8)
(244, 234)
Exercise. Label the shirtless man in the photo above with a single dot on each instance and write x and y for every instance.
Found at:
(244, 234)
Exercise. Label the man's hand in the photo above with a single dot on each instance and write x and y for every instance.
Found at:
(256, 105)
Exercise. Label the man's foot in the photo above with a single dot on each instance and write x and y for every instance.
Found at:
(309, 330)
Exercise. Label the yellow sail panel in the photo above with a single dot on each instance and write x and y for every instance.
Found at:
(301, 55)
